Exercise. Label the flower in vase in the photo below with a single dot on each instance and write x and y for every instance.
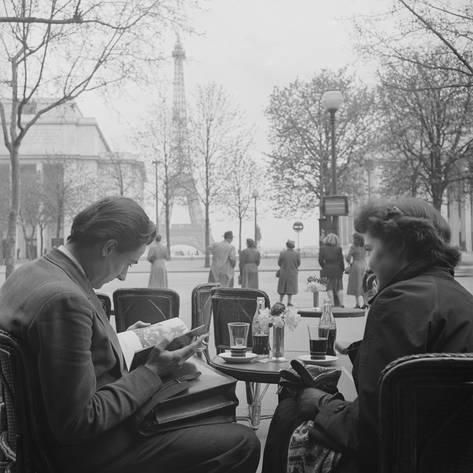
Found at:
(284, 316)
(291, 318)
(315, 284)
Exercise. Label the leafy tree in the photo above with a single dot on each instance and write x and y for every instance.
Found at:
(299, 165)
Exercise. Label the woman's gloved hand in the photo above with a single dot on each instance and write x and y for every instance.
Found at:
(310, 400)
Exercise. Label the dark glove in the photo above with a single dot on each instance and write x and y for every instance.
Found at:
(300, 376)
(309, 402)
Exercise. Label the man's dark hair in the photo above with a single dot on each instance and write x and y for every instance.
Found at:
(227, 235)
(112, 218)
(412, 226)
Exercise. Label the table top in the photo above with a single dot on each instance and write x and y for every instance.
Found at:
(338, 312)
(260, 370)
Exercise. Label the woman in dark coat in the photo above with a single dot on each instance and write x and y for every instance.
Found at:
(249, 262)
(331, 262)
(288, 262)
(419, 308)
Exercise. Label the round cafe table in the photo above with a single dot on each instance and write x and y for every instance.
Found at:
(261, 370)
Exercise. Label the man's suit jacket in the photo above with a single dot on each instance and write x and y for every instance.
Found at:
(223, 262)
(77, 366)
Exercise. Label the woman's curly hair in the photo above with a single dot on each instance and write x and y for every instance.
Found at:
(412, 226)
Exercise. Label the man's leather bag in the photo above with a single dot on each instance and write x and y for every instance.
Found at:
(196, 395)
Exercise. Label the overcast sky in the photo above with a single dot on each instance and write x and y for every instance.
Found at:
(248, 46)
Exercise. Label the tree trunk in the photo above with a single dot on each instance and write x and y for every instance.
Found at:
(10, 256)
(168, 223)
(60, 219)
(239, 233)
(207, 235)
(437, 200)
(41, 235)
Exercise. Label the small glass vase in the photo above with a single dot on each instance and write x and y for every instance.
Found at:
(315, 298)
(278, 344)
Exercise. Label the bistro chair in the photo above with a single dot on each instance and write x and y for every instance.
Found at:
(426, 414)
(202, 304)
(148, 305)
(239, 305)
(202, 307)
(22, 445)
(106, 303)
(233, 305)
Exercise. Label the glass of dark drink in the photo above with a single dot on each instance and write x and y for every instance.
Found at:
(261, 344)
(317, 344)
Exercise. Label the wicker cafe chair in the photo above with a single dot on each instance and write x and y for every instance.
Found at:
(22, 445)
(202, 304)
(202, 307)
(148, 305)
(233, 305)
(106, 303)
(426, 414)
(239, 305)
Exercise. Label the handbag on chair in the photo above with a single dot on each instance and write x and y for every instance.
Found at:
(196, 395)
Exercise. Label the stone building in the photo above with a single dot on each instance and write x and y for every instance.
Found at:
(65, 163)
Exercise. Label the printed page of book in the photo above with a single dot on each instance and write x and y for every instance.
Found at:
(134, 340)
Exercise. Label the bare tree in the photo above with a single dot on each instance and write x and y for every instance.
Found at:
(428, 126)
(214, 124)
(155, 141)
(68, 186)
(412, 24)
(62, 49)
(31, 211)
(121, 174)
(244, 176)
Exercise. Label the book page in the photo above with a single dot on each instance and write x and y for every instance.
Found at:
(134, 340)
(129, 343)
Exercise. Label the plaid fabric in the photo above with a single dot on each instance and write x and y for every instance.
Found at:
(307, 456)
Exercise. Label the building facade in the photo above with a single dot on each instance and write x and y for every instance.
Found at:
(65, 163)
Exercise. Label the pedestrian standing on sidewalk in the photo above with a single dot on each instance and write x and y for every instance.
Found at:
(157, 256)
(222, 269)
(288, 262)
(331, 262)
(356, 258)
(249, 262)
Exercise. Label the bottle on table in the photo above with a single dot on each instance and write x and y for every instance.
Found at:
(328, 327)
(260, 330)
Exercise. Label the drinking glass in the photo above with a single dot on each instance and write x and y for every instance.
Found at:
(317, 344)
(238, 332)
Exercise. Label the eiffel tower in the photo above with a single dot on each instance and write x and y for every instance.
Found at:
(184, 190)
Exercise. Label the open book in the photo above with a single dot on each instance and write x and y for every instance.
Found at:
(137, 343)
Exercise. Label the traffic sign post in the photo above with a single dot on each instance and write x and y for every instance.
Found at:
(298, 227)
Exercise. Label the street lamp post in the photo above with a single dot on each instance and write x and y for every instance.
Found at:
(156, 200)
(255, 196)
(332, 100)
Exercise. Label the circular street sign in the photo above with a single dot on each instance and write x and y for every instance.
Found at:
(298, 226)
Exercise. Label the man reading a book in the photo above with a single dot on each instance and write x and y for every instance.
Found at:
(86, 395)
